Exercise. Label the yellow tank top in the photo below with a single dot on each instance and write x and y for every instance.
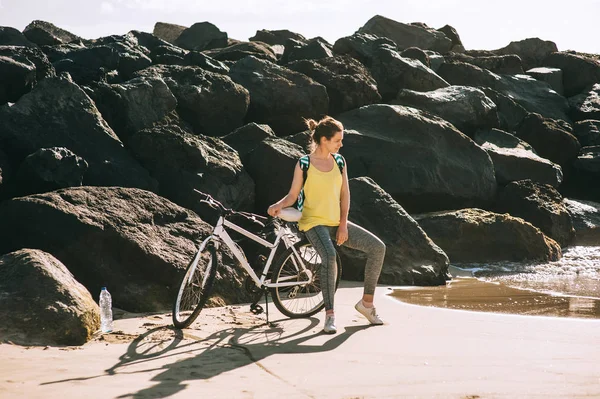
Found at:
(322, 192)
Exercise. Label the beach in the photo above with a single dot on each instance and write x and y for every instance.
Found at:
(421, 352)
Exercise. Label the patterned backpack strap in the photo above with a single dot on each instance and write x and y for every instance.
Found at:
(304, 165)
(339, 159)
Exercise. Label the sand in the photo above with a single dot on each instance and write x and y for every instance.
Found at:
(422, 352)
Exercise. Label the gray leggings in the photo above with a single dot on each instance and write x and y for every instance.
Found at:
(322, 239)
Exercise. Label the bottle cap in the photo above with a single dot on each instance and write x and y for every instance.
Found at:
(103, 288)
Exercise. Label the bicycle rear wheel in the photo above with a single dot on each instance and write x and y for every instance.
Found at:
(195, 287)
(302, 300)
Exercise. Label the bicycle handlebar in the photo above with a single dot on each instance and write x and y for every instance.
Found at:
(213, 203)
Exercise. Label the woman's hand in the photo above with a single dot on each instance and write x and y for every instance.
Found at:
(274, 209)
(342, 233)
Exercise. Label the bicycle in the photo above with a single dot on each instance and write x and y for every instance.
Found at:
(293, 283)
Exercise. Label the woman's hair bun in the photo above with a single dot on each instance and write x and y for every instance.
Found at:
(311, 123)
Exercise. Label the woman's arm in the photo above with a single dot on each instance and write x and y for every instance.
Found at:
(292, 195)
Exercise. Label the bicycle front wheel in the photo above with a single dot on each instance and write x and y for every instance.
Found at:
(195, 287)
(303, 299)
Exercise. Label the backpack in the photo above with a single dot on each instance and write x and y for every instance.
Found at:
(304, 165)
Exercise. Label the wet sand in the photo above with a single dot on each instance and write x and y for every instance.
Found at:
(476, 295)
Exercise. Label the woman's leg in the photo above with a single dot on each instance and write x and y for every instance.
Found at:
(365, 241)
(320, 238)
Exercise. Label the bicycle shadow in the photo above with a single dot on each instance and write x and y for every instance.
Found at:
(229, 349)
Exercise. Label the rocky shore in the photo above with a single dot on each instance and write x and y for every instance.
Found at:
(454, 155)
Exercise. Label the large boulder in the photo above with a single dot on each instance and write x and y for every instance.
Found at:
(532, 94)
(44, 33)
(579, 72)
(12, 37)
(586, 221)
(411, 257)
(41, 303)
(314, 49)
(550, 138)
(86, 65)
(587, 132)
(349, 84)
(532, 51)
(58, 113)
(539, 204)
(168, 32)
(49, 169)
(361, 46)
(552, 76)
(133, 105)
(132, 241)
(424, 162)
(467, 108)
(515, 160)
(271, 165)
(502, 64)
(475, 235)
(240, 50)
(586, 105)
(26, 55)
(279, 96)
(452, 34)
(582, 182)
(394, 73)
(408, 35)
(16, 79)
(246, 138)
(182, 162)
(274, 37)
(211, 102)
(510, 113)
(201, 36)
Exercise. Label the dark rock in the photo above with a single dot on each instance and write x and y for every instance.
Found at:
(416, 54)
(361, 46)
(16, 78)
(407, 35)
(510, 113)
(196, 58)
(313, 50)
(49, 169)
(539, 204)
(201, 36)
(246, 138)
(435, 60)
(349, 84)
(271, 166)
(411, 257)
(43, 67)
(532, 51)
(552, 76)
(451, 34)
(243, 49)
(586, 220)
(168, 32)
(44, 33)
(147, 41)
(88, 64)
(502, 64)
(424, 162)
(394, 73)
(587, 132)
(170, 55)
(57, 113)
(584, 175)
(273, 37)
(12, 37)
(586, 105)
(549, 138)
(131, 240)
(182, 162)
(514, 159)
(467, 108)
(211, 102)
(133, 105)
(579, 72)
(475, 235)
(41, 303)
(531, 94)
(279, 97)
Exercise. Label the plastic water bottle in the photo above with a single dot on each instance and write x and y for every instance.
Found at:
(106, 319)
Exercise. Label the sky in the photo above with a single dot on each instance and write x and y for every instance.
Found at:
(572, 25)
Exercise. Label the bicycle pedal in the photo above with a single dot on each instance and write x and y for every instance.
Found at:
(256, 308)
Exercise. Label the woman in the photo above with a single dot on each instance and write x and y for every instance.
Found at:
(325, 217)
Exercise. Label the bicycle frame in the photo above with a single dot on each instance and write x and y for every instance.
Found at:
(219, 235)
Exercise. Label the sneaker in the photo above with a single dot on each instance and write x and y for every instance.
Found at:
(329, 327)
(369, 313)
